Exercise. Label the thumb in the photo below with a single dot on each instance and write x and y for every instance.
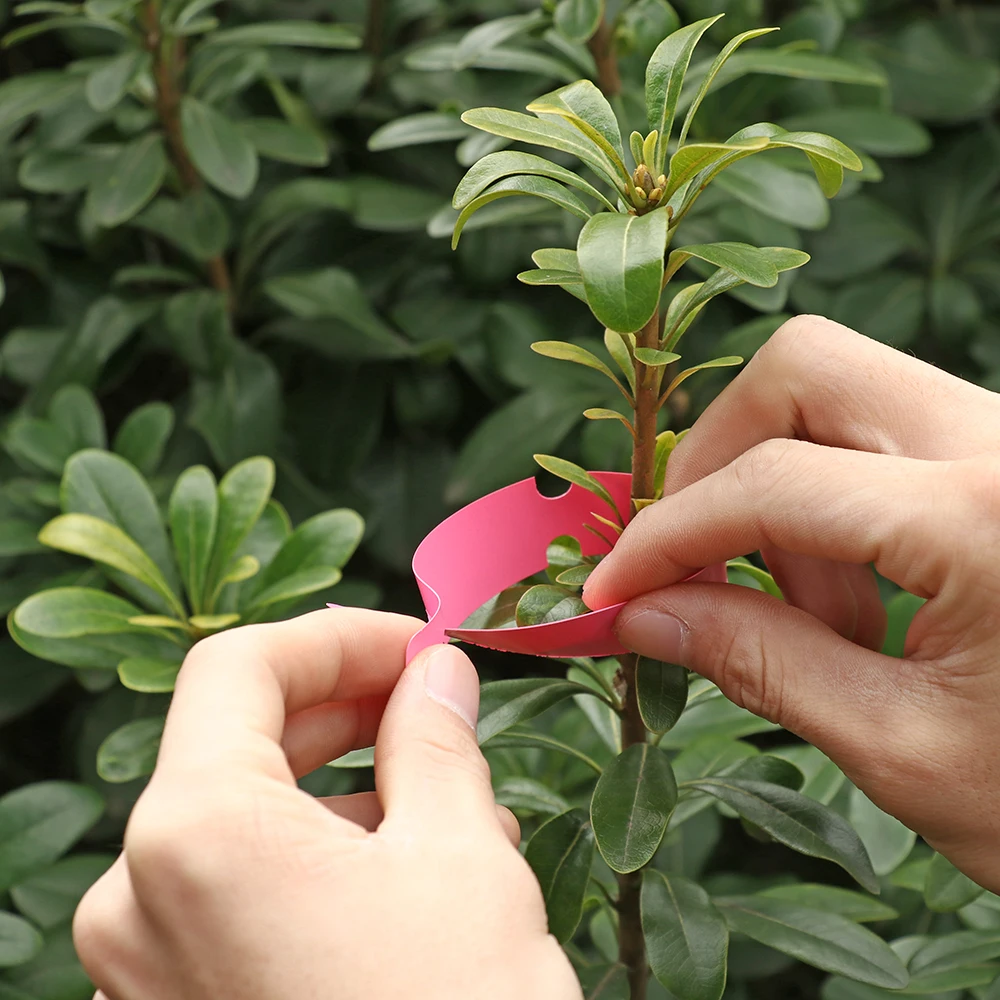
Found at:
(428, 766)
(773, 659)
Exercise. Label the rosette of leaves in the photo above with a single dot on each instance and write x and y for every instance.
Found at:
(225, 554)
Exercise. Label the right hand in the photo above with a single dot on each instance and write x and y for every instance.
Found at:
(830, 453)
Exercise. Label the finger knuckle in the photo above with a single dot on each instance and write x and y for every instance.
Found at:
(756, 471)
(749, 676)
(446, 754)
(796, 340)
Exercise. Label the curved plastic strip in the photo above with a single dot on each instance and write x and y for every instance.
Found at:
(501, 539)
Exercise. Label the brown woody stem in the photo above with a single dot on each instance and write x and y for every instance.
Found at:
(168, 63)
(602, 47)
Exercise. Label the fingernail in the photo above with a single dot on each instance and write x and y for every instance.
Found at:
(653, 633)
(450, 680)
(334, 605)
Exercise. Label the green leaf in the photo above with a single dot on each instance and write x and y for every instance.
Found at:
(825, 940)
(563, 351)
(946, 888)
(621, 260)
(631, 806)
(40, 822)
(307, 34)
(38, 444)
(495, 166)
(875, 130)
(797, 822)
(19, 537)
(887, 841)
(221, 153)
(74, 409)
(107, 84)
(952, 952)
(50, 897)
(741, 259)
(503, 704)
(617, 345)
(130, 751)
(90, 537)
(139, 673)
(720, 60)
(211, 623)
(706, 161)
(293, 586)
(652, 357)
(577, 20)
(194, 511)
(538, 187)
(499, 611)
(243, 493)
(553, 135)
(665, 74)
(777, 191)
(287, 142)
(196, 224)
(129, 182)
(326, 540)
(415, 130)
(106, 486)
(19, 941)
(766, 768)
(529, 795)
(143, 435)
(605, 982)
(25, 95)
(542, 604)
(584, 106)
(572, 473)
(688, 372)
(661, 690)
(687, 939)
(560, 853)
(799, 66)
(831, 899)
(64, 171)
(577, 576)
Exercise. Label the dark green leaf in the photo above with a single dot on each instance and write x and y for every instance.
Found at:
(194, 512)
(130, 751)
(955, 951)
(288, 142)
(542, 604)
(218, 149)
(875, 130)
(50, 896)
(746, 262)
(200, 329)
(946, 888)
(326, 540)
(572, 473)
(777, 191)
(529, 795)
(128, 182)
(149, 676)
(308, 34)
(661, 691)
(19, 941)
(831, 899)
(503, 704)
(499, 611)
(687, 939)
(560, 854)
(107, 84)
(143, 436)
(631, 806)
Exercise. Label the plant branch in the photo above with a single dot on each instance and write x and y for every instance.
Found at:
(602, 47)
(168, 62)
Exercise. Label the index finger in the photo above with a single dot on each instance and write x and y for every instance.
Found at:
(818, 381)
(237, 688)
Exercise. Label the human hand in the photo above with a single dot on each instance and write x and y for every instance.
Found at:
(236, 885)
(831, 452)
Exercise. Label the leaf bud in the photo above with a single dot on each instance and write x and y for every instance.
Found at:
(640, 196)
(643, 178)
(655, 195)
(661, 181)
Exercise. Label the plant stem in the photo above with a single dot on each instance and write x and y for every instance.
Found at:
(168, 62)
(602, 47)
(647, 400)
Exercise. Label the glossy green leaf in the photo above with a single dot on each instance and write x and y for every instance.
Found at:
(503, 704)
(705, 161)
(298, 584)
(652, 357)
(495, 166)
(50, 897)
(325, 540)
(128, 182)
(143, 435)
(307, 34)
(661, 690)
(572, 473)
(887, 841)
(796, 821)
(221, 153)
(535, 131)
(854, 906)
(946, 888)
(687, 939)
(665, 74)
(538, 187)
(90, 537)
(542, 604)
(825, 940)
(577, 20)
(148, 676)
(39, 823)
(287, 142)
(585, 107)
(621, 260)
(766, 768)
(743, 260)
(560, 854)
(631, 806)
(563, 351)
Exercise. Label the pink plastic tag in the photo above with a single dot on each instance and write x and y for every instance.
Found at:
(501, 539)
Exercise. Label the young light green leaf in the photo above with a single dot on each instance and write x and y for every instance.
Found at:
(621, 260)
(560, 854)
(946, 888)
(720, 60)
(825, 940)
(797, 822)
(661, 690)
(688, 372)
(575, 576)
(212, 623)
(563, 351)
(704, 161)
(139, 673)
(222, 154)
(535, 131)
(542, 604)
(539, 187)
(651, 357)
(665, 74)
(557, 259)
(572, 473)
(495, 166)
(687, 939)
(743, 260)
(568, 280)
(130, 751)
(242, 568)
(603, 413)
(631, 806)
(194, 512)
(618, 346)
(93, 538)
(584, 102)
(503, 704)
(129, 181)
